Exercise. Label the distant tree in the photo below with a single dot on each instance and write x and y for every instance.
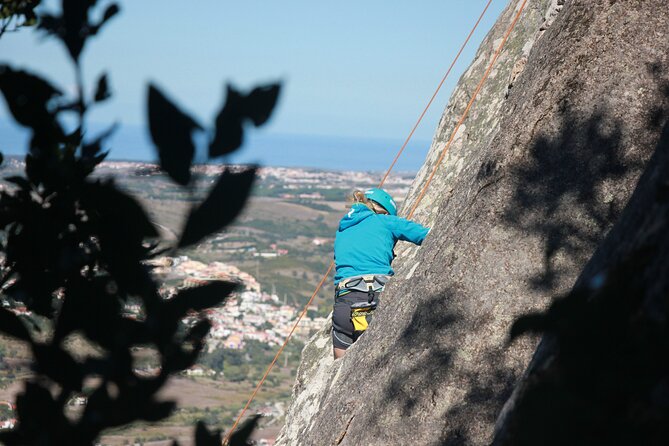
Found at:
(233, 357)
(214, 360)
(237, 373)
(76, 247)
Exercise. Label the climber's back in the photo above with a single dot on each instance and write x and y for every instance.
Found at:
(365, 240)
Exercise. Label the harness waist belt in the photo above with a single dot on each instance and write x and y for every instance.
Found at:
(365, 283)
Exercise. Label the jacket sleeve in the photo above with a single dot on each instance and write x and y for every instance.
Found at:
(406, 230)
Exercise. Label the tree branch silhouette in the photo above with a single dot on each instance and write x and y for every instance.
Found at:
(76, 250)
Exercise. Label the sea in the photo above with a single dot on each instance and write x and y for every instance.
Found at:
(133, 143)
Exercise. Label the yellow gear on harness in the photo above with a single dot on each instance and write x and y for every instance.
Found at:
(360, 316)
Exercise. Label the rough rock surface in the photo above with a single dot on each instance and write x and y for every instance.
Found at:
(600, 375)
(548, 157)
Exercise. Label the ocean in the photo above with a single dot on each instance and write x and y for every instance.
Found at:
(264, 148)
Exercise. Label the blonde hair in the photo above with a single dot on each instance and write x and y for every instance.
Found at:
(359, 197)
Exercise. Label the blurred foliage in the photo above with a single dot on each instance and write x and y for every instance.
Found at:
(76, 248)
(17, 13)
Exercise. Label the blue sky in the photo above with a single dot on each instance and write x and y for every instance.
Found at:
(351, 70)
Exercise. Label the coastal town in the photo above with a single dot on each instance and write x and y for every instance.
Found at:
(248, 314)
(296, 182)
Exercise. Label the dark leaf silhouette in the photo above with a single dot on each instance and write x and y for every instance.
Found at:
(19, 181)
(242, 436)
(257, 107)
(119, 211)
(197, 334)
(172, 133)
(158, 411)
(110, 12)
(102, 89)
(228, 136)
(94, 147)
(51, 24)
(199, 298)
(73, 27)
(195, 299)
(260, 103)
(184, 358)
(205, 438)
(97, 318)
(75, 23)
(13, 10)
(76, 251)
(10, 324)
(92, 153)
(28, 99)
(38, 408)
(223, 204)
(54, 362)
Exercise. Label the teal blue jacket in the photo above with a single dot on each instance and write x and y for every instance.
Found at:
(364, 242)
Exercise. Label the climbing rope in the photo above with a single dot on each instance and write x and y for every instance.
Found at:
(434, 95)
(466, 112)
(420, 196)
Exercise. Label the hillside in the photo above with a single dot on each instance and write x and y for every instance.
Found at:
(277, 247)
(545, 164)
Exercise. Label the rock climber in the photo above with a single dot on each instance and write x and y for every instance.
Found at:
(363, 251)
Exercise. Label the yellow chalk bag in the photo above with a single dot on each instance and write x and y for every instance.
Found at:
(360, 316)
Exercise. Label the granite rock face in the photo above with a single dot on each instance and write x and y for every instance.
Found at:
(600, 375)
(542, 167)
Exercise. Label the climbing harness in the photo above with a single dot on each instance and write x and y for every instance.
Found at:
(418, 199)
(361, 312)
(351, 315)
(366, 283)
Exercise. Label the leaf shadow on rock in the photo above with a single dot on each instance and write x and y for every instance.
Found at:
(427, 360)
(487, 388)
(427, 369)
(606, 380)
(566, 189)
(600, 374)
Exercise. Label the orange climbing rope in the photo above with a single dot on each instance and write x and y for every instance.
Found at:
(434, 95)
(466, 112)
(420, 196)
(276, 357)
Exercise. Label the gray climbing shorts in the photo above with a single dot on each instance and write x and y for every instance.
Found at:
(349, 322)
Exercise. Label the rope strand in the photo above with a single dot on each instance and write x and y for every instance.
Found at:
(466, 112)
(443, 79)
(418, 200)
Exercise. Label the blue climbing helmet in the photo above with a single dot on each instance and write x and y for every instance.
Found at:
(383, 198)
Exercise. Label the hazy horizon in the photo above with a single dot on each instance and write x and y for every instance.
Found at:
(132, 143)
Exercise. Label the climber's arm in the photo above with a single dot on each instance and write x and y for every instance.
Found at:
(407, 230)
